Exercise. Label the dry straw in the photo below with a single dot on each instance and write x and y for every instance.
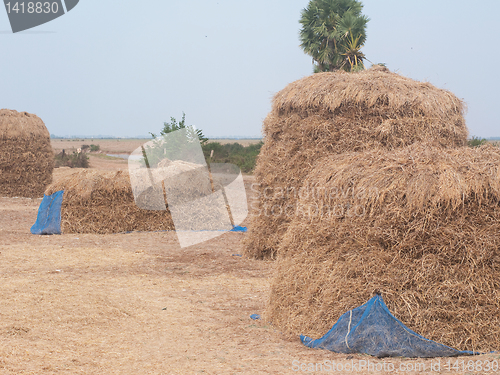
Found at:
(333, 113)
(420, 225)
(102, 202)
(26, 156)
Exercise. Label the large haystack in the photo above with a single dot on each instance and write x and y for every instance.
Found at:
(332, 113)
(26, 156)
(420, 225)
(102, 202)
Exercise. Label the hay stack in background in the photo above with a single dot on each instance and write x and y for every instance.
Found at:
(332, 113)
(102, 202)
(26, 156)
(420, 225)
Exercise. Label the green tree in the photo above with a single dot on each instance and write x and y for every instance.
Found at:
(333, 33)
(174, 146)
(245, 157)
(173, 125)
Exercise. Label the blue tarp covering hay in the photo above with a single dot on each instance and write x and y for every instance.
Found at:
(372, 329)
(48, 220)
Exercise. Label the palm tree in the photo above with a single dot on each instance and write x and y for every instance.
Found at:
(333, 32)
(353, 57)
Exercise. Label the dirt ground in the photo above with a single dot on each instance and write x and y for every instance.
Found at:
(139, 304)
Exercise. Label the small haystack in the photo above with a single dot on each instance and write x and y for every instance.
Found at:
(333, 113)
(26, 156)
(420, 225)
(102, 202)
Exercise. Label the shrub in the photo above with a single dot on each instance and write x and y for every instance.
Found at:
(476, 142)
(245, 157)
(74, 160)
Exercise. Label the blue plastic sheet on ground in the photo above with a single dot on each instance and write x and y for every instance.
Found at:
(255, 317)
(372, 329)
(48, 220)
(237, 228)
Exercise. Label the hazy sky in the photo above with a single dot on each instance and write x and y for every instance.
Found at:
(122, 68)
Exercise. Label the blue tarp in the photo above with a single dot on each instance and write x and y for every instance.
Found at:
(237, 228)
(372, 329)
(48, 220)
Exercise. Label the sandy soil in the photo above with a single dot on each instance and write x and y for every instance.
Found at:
(139, 304)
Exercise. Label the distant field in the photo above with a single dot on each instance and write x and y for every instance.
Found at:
(123, 146)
